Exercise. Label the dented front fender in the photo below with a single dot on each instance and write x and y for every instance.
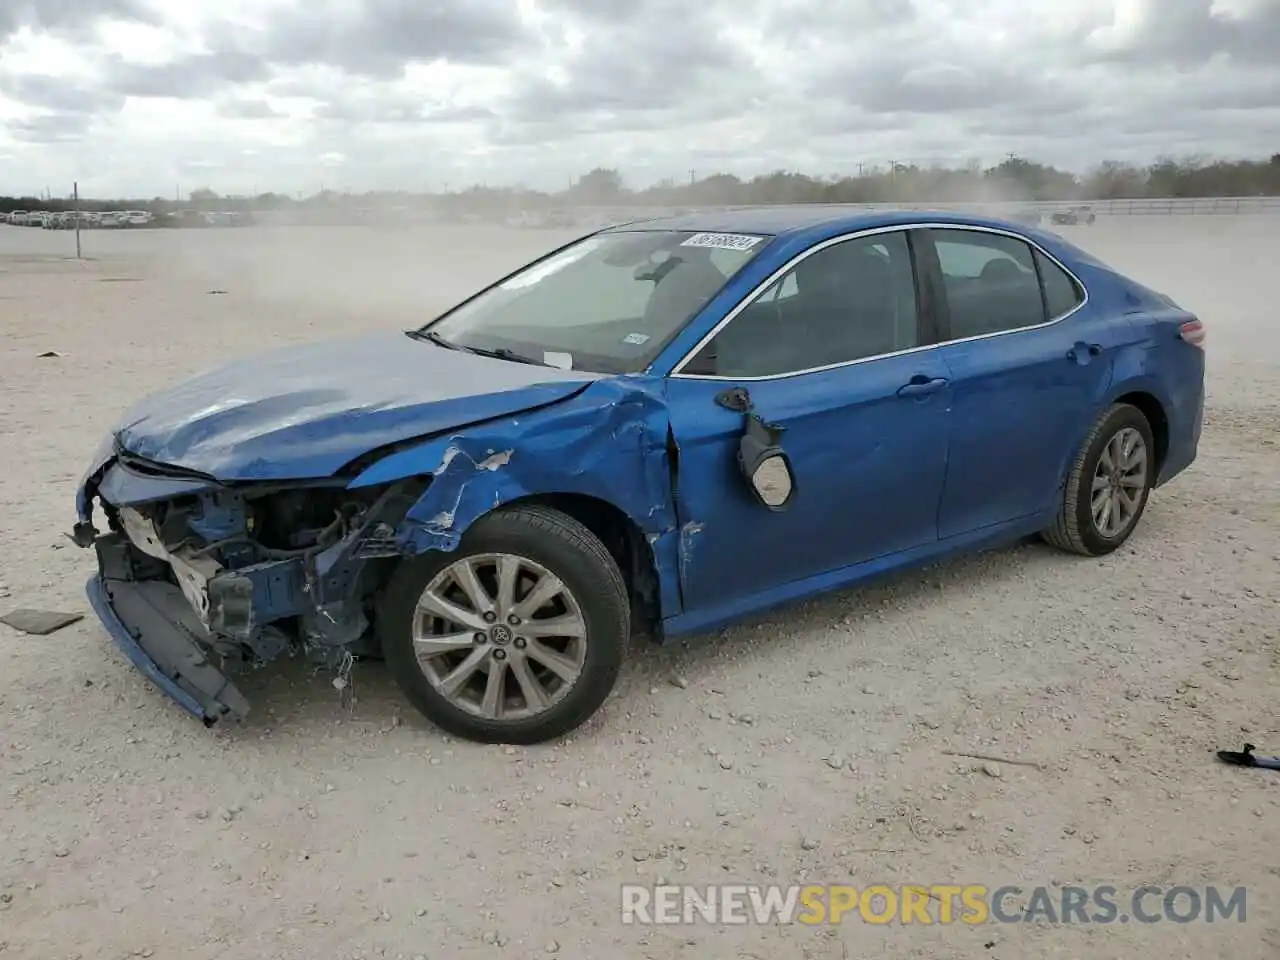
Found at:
(609, 442)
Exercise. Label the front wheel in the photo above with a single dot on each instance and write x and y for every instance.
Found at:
(1108, 485)
(516, 637)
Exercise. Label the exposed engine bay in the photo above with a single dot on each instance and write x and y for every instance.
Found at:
(249, 573)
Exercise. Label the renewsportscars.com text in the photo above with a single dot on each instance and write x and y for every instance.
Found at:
(929, 904)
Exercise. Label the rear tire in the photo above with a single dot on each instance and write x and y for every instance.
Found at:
(1105, 483)
(547, 551)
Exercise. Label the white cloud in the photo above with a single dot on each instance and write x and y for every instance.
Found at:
(133, 96)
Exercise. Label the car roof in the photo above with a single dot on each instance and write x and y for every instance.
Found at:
(805, 218)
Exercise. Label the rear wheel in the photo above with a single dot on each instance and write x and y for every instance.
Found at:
(516, 637)
(1108, 485)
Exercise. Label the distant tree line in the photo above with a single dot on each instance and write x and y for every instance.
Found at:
(1014, 178)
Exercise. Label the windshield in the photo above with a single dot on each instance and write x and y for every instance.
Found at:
(606, 304)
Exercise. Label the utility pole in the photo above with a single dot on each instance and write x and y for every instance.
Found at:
(75, 195)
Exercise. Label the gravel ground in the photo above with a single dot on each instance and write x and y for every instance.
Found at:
(805, 747)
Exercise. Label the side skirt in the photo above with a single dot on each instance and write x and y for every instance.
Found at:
(699, 621)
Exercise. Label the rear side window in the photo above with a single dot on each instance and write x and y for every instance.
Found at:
(1061, 293)
(990, 281)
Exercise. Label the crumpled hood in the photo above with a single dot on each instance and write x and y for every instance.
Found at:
(304, 412)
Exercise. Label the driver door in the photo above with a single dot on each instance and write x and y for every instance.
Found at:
(836, 353)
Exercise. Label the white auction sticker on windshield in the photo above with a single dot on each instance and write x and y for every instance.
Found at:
(722, 241)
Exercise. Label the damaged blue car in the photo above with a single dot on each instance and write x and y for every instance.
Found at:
(659, 428)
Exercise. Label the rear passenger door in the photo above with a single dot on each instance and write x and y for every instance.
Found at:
(1030, 363)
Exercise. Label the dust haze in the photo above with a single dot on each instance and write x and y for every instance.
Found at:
(804, 745)
(388, 274)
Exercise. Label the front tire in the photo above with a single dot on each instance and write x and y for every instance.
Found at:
(517, 636)
(1108, 485)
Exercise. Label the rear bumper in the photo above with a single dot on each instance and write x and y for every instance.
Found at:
(1186, 423)
(154, 625)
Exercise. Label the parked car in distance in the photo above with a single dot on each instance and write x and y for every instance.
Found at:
(1074, 215)
(667, 425)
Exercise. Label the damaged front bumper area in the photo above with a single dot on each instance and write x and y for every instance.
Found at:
(151, 621)
(198, 581)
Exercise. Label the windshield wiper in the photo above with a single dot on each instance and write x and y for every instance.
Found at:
(503, 353)
(430, 336)
(500, 353)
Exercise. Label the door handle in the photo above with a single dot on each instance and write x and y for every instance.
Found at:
(1081, 351)
(920, 386)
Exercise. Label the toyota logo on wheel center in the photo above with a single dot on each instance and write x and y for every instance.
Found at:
(500, 634)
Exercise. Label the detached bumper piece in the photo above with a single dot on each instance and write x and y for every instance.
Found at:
(154, 625)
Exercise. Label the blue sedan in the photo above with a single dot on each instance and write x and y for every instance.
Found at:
(666, 425)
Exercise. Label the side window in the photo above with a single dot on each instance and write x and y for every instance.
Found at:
(990, 281)
(1061, 293)
(850, 301)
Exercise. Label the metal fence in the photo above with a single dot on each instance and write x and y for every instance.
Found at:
(1167, 206)
(1147, 206)
(592, 217)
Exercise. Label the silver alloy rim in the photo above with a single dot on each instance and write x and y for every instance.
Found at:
(499, 636)
(1119, 482)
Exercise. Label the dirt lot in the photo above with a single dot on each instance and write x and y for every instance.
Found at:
(806, 747)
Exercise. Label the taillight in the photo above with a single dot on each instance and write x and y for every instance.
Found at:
(1193, 332)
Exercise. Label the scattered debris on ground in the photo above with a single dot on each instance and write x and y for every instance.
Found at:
(1247, 758)
(39, 622)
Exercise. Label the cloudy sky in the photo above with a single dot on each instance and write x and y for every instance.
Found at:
(149, 97)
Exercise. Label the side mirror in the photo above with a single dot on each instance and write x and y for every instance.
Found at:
(765, 465)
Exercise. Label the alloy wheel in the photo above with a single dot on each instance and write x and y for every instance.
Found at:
(499, 636)
(1119, 483)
